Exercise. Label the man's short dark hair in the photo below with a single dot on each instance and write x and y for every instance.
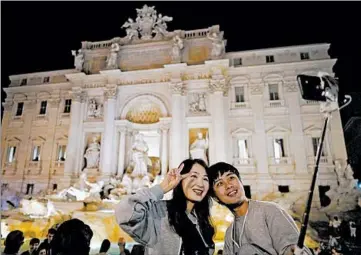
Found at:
(52, 231)
(219, 169)
(72, 238)
(34, 241)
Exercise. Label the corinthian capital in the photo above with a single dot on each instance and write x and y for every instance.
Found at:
(77, 94)
(177, 86)
(219, 83)
(110, 92)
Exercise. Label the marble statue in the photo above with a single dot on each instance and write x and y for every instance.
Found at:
(160, 26)
(146, 24)
(82, 181)
(218, 46)
(92, 154)
(78, 59)
(177, 49)
(199, 105)
(345, 195)
(113, 57)
(146, 18)
(139, 156)
(94, 109)
(91, 107)
(9, 199)
(131, 29)
(198, 148)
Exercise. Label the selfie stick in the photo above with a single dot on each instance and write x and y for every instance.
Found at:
(331, 105)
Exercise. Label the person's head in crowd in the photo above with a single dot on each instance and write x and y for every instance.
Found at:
(105, 246)
(13, 242)
(50, 235)
(43, 249)
(33, 245)
(72, 238)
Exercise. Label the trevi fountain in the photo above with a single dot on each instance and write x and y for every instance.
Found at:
(149, 100)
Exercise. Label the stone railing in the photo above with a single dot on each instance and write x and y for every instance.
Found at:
(323, 160)
(97, 45)
(311, 102)
(243, 161)
(58, 164)
(274, 103)
(196, 33)
(280, 161)
(239, 105)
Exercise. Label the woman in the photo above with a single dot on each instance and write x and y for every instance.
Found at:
(178, 226)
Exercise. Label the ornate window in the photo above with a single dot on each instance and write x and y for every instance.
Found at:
(278, 145)
(242, 151)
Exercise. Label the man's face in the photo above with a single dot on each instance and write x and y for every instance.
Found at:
(33, 247)
(229, 189)
(50, 237)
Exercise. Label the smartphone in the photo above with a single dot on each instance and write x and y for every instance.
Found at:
(310, 87)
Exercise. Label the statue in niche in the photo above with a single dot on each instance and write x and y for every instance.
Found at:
(92, 154)
(113, 56)
(177, 49)
(94, 109)
(131, 29)
(78, 59)
(218, 46)
(139, 156)
(199, 147)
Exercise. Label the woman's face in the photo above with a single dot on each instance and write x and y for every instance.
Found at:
(42, 252)
(196, 185)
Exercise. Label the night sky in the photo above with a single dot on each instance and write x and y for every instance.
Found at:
(39, 36)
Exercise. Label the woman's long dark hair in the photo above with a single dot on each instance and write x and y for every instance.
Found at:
(178, 204)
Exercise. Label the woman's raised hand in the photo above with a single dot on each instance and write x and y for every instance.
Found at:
(173, 178)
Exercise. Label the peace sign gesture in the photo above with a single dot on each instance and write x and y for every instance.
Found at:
(173, 178)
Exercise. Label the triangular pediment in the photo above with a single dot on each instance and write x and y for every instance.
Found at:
(13, 139)
(62, 138)
(277, 129)
(241, 131)
(312, 129)
(38, 139)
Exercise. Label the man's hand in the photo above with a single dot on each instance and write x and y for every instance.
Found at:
(294, 250)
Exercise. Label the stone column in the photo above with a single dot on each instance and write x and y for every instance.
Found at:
(219, 88)
(297, 141)
(121, 155)
(110, 94)
(71, 149)
(177, 151)
(164, 154)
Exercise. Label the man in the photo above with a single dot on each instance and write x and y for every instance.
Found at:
(14, 240)
(33, 246)
(259, 227)
(73, 237)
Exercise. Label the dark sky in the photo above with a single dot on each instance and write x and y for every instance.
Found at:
(39, 36)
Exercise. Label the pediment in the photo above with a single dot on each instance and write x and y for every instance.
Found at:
(312, 129)
(273, 77)
(38, 139)
(277, 130)
(239, 80)
(62, 138)
(241, 131)
(13, 139)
